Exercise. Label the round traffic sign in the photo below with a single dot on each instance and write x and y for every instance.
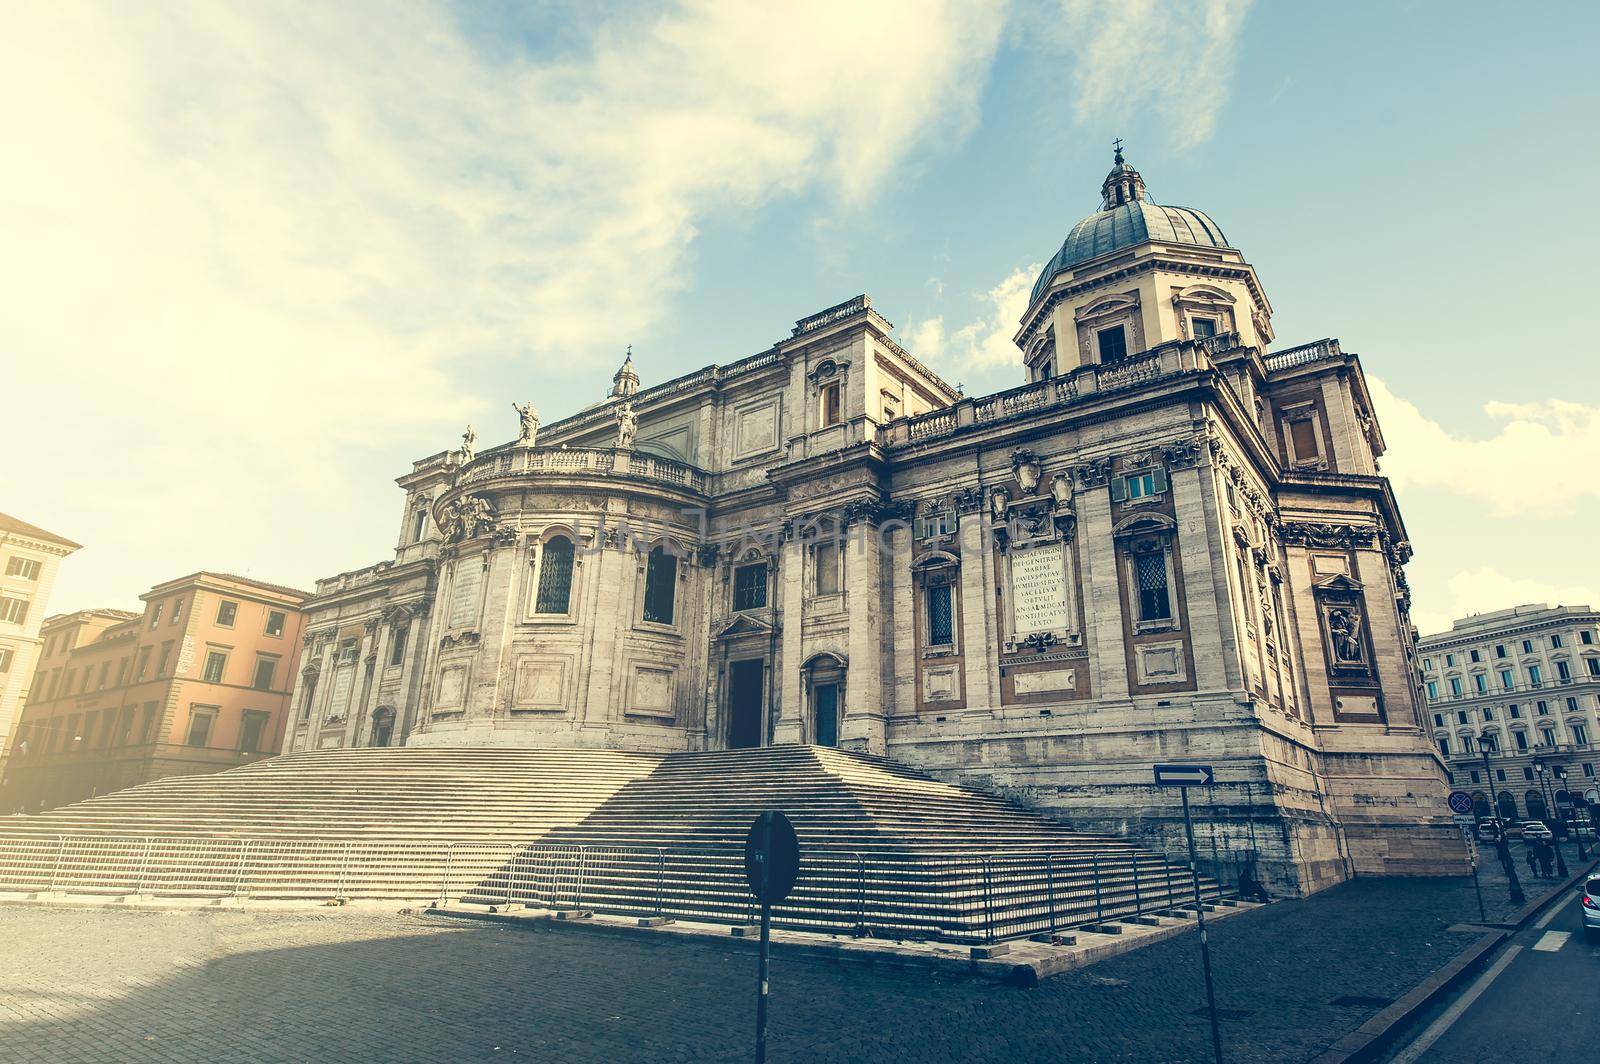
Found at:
(771, 857)
(1460, 802)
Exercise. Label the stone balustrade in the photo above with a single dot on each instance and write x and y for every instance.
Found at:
(512, 460)
(1167, 360)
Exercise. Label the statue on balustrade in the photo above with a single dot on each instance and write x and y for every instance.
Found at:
(528, 430)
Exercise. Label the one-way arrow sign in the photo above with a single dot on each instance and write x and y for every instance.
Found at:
(1184, 776)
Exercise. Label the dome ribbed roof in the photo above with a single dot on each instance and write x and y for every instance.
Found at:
(1126, 218)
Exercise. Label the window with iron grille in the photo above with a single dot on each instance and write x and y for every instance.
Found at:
(216, 661)
(660, 586)
(555, 576)
(941, 615)
(750, 586)
(1150, 572)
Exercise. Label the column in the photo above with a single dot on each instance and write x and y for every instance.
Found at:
(791, 595)
(980, 634)
(1203, 552)
(1108, 651)
(863, 726)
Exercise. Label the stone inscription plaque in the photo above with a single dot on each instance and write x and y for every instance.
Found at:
(1038, 590)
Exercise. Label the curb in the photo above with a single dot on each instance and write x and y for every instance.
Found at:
(1369, 1040)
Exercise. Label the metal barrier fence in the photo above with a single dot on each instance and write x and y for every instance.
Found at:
(958, 897)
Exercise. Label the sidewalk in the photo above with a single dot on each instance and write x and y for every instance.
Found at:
(106, 985)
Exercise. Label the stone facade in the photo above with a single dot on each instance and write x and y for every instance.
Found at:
(29, 559)
(1521, 686)
(1169, 545)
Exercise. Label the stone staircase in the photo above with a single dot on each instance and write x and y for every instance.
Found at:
(885, 849)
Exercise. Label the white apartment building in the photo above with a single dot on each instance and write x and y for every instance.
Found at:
(1521, 685)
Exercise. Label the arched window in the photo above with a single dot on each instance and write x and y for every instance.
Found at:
(660, 586)
(555, 576)
(382, 726)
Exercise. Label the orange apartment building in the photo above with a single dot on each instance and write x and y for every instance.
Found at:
(198, 682)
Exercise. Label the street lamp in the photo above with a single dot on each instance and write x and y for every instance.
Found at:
(1577, 835)
(1502, 849)
(1549, 800)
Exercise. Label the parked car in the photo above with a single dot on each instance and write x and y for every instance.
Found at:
(1591, 907)
(1489, 829)
(1534, 829)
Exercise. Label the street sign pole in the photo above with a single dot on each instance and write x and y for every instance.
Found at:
(766, 940)
(1200, 921)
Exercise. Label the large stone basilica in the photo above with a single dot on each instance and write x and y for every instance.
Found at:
(1170, 544)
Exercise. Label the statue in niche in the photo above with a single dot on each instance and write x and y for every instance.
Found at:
(469, 444)
(1344, 633)
(528, 429)
(627, 426)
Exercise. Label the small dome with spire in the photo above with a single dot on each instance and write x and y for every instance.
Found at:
(1127, 217)
(626, 381)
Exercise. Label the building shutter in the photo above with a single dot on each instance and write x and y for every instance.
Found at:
(1161, 480)
(1119, 489)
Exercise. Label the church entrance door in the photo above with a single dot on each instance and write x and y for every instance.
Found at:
(826, 697)
(745, 681)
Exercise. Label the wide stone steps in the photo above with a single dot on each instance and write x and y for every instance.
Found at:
(886, 849)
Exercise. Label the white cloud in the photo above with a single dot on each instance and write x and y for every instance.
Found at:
(1133, 56)
(985, 343)
(244, 241)
(1540, 459)
(1486, 589)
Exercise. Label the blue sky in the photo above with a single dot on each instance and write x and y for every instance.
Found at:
(261, 259)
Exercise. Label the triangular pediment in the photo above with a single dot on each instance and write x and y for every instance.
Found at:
(1340, 582)
(745, 624)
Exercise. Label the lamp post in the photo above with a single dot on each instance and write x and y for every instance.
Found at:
(1549, 800)
(1577, 836)
(1502, 849)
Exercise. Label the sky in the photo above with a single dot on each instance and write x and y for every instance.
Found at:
(258, 258)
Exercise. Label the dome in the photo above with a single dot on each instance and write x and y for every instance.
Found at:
(1126, 218)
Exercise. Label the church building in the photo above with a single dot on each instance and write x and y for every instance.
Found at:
(1171, 543)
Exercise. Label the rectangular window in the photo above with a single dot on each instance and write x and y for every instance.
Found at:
(1535, 676)
(1473, 654)
(934, 525)
(1438, 720)
(825, 565)
(1588, 770)
(660, 586)
(464, 595)
(1500, 650)
(155, 615)
(1433, 691)
(1488, 713)
(941, 615)
(1449, 659)
(1580, 734)
(1202, 328)
(1572, 705)
(143, 666)
(216, 661)
(1444, 747)
(419, 526)
(1480, 683)
(1474, 771)
(200, 721)
(1150, 574)
(105, 672)
(122, 671)
(1563, 671)
(397, 644)
(5, 659)
(26, 568)
(1455, 687)
(1543, 708)
(1461, 716)
(1555, 641)
(1515, 711)
(1593, 665)
(1466, 744)
(554, 593)
(251, 729)
(1527, 646)
(1506, 682)
(265, 667)
(1527, 773)
(1142, 485)
(227, 613)
(275, 622)
(1521, 738)
(1586, 637)
(13, 610)
(1113, 344)
(750, 587)
(1547, 737)
(831, 399)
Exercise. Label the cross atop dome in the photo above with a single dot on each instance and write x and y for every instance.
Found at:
(1123, 184)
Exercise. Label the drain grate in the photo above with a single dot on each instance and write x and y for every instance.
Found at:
(1360, 1001)
(1227, 1014)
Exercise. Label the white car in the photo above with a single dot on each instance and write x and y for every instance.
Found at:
(1533, 829)
(1591, 907)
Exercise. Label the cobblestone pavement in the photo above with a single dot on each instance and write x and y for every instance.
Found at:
(103, 985)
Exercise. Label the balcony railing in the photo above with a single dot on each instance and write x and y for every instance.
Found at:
(1303, 355)
(560, 461)
(1167, 360)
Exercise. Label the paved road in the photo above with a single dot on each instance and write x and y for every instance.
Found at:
(113, 986)
(1539, 1000)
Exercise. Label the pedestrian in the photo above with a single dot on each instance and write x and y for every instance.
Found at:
(1533, 858)
(1545, 853)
